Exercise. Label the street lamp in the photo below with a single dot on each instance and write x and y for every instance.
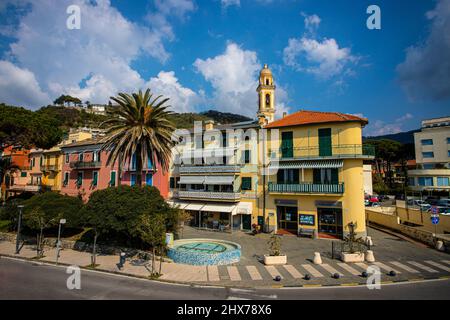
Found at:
(58, 243)
(19, 225)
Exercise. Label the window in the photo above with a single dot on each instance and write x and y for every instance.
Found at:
(246, 183)
(428, 154)
(112, 179)
(247, 156)
(411, 181)
(96, 156)
(325, 176)
(288, 176)
(172, 183)
(67, 158)
(425, 181)
(149, 179)
(79, 179)
(267, 100)
(448, 140)
(94, 178)
(133, 162)
(428, 166)
(81, 157)
(33, 162)
(448, 153)
(427, 142)
(443, 181)
(132, 179)
(41, 161)
(267, 82)
(66, 179)
(23, 174)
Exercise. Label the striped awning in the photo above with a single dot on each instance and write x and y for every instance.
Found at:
(219, 208)
(215, 180)
(308, 164)
(178, 204)
(191, 180)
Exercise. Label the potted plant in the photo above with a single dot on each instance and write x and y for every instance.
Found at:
(353, 248)
(274, 256)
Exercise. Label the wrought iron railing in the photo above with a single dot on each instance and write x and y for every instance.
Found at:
(334, 151)
(306, 188)
(209, 195)
(85, 164)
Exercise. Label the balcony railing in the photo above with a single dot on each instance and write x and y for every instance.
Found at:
(210, 169)
(52, 167)
(314, 152)
(85, 165)
(306, 188)
(209, 195)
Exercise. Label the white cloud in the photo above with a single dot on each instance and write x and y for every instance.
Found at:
(380, 127)
(14, 80)
(227, 3)
(182, 99)
(323, 58)
(100, 53)
(425, 73)
(234, 78)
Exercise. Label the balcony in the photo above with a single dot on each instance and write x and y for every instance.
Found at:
(210, 169)
(307, 188)
(85, 165)
(343, 151)
(209, 195)
(27, 188)
(52, 167)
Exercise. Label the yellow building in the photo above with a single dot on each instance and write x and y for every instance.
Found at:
(302, 174)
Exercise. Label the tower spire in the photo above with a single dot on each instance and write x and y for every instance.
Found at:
(266, 96)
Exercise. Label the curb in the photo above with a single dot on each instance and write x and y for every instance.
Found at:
(200, 284)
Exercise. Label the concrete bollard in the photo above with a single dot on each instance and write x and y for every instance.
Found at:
(369, 241)
(317, 259)
(369, 256)
(440, 245)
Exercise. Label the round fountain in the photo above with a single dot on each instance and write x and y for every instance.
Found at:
(202, 252)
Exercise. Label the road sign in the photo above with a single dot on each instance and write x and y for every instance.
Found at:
(434, 210)
(435, 219)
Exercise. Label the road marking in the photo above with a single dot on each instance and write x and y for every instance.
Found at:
(213, 273)
(254, 273)
(236, 298)
(438, 265)
(362, 265)
(292, 271)
(423, 267)
(233, 273)
(404, 267)
(345, 266)
(446, 261)
(385, 267)
(330, 269)
(311, 270)
(273, 271)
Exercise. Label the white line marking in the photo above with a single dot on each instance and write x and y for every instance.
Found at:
(213, 273)
(423, 267)
(438, 265)
(385, 267)
(273, 271)
(233, 273)
(254, 273)
(311, 270)
(446, 261)
(404, 267)
(345, 266)
(362, 265)
(292, 271)
(330, 269)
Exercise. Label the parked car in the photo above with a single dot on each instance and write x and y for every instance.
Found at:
(373, 204)
(423, 206)
(444, 203)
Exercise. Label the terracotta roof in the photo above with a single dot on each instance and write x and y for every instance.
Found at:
(304, 117)
(86, 142)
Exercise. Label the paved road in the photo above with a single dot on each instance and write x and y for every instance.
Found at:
(26, 280)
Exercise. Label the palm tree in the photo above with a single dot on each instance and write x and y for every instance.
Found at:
(139, 126)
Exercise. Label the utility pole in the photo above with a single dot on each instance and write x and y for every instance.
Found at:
(58, 243)
(19, 225)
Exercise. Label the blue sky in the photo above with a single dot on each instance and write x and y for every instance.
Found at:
(207, 54)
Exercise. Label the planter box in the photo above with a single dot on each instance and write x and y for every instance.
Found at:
(352, 257)
(272, 260)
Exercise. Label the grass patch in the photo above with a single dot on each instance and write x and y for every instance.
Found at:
(154, 276)
(4, 225)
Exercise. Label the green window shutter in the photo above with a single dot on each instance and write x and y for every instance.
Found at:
(79, 179)
(95, 179)
(112, 181)
(325, 142)
(23, 174)
(246, 183)
(247, 156)
(287, 145)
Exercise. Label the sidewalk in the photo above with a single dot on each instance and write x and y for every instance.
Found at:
(251, 274)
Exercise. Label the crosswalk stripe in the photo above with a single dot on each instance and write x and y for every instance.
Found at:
(254, 273)
(273, 271)
(423, 267)
(345, 266)
(362, 265)
(233, 273)
(311, 270)
(438, 265)
(213, 273)
(385, 267)
(330, 269)
(404, 267)
(446, 261)
(292, 271)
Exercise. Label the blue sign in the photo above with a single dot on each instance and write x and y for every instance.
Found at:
(434, 219)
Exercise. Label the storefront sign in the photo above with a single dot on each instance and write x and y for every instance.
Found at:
(335, 204)
(285, 202)
(307, 219)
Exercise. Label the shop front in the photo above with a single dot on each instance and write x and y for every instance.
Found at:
(329, 218)
(287, 216)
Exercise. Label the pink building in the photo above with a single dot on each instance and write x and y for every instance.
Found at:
(84, 171)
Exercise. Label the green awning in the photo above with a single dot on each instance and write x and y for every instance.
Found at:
(308, 164)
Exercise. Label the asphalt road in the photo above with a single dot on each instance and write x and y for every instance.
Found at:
(27, 280)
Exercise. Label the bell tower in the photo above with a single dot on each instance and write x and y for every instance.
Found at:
(266, 96)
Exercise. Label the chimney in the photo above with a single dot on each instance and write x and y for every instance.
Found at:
(284, 114)
(209, 124)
